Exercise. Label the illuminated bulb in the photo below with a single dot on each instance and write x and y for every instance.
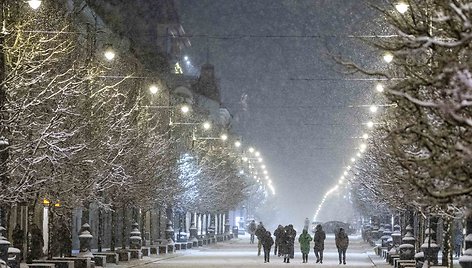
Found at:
(34, 4)
(185, 109)
(365, 136)
(241, 172)
(265, 172)
(154, 89)
(370, 124)
(373, 108)
(237, 144)
(345, 173)
(109, 54)
(402, 7)
(257, 154)
(259, 159)
(388, 57)
(263, 167)
(353, 159)
(251, 150)
(186, 58)
(363, 146)
(206, 125)
(379, 88)
(224, 137)
(245, 159)
(358, 154)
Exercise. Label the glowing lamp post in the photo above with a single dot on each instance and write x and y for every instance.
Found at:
(34, 4)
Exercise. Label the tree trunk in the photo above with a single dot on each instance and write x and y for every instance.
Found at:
(123, 228)
(113, 229)
(447, 243)
(100, 229)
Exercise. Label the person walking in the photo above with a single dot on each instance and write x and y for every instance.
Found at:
(319, 239)
(252, 230)
(277, 233)
(267, 242)
(342, 242)
(306, 224)
(285, 244)
(260, 232)
(291, 233)
(304, 240)
(458, 241)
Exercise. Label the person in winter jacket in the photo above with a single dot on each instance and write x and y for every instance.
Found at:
(291, 233)
(285, 242)
(342, 242)
(267, 242)
(304, 241)
(319, 239)
(252, 230)
(260, 232)
(277, 233)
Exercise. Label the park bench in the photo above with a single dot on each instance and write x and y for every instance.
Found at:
(41, 265)
(57, 263)
(111, 257)
(79, 262)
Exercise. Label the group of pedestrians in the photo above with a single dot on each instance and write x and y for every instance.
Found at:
(284, 244)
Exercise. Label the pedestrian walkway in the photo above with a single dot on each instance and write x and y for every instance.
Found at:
(239, 253)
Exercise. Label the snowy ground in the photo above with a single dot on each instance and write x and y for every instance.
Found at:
(239, 253)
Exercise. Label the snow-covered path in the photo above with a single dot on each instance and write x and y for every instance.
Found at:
(239, 253)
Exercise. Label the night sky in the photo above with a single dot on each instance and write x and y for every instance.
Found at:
(288, 97)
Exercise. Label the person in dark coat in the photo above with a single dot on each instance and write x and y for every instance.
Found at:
(267, 242)
(291, 233)
(304, 241)
(285, 244)
(319, 239)
(277, 233)
(37, 242)
(342, 242)
(252, 230)
(260, 232)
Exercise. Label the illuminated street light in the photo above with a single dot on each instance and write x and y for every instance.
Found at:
(401, 7)
(358, 155)
(224, 137)
(388, 57)
(185, 58)
(373, 108)
(153, 89)
(263, 167)
(185, 109)
(251, 150)
(34, 4)
(237, 144)
(265, 172)
(379, 88)
(363, 146)
(370, 124)
(345, 173)
(353, 159)
(206, 125)
(260, 159)
(365, 136)
(109, 53)
(257, 154)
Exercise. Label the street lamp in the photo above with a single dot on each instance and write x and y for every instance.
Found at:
(379, 88)
(185, 109)
(373, 108)
(224, 137)
(109, 52)
(388, 57)
(401, 7)
(153, 89)
(34, 4)
(206, 125)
